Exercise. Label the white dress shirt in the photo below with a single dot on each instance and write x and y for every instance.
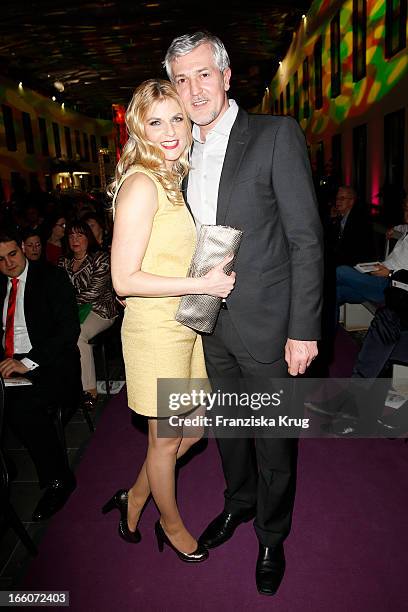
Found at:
(401, 229)
(398, 258)
(207, 159)
(22, 342)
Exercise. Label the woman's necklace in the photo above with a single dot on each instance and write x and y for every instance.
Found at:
(79, 258)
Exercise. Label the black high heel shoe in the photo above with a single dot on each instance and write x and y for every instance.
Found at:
(120, 501)
(200, 553)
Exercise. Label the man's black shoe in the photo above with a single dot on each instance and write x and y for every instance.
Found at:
(270, 569)
(343, 428)
(394, 423)
(54, 498)
(326, 408)
(222, 527)
(342, 404)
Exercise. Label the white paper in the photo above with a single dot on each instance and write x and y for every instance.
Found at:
(368, 266)
(17, 381)
(395, 399)
(399, 285)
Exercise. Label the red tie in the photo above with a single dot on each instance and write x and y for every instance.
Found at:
(11, 309)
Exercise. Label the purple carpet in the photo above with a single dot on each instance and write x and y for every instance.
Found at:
(348, 549)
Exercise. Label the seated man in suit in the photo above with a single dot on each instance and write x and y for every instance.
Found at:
(39, 335)
(350, 236)
(348, 241)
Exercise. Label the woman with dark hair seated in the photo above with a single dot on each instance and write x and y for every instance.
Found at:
(32, 245)
(89, 271)
(98, 228)
(54, 236)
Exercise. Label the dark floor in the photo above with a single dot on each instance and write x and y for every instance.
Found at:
(25, 492)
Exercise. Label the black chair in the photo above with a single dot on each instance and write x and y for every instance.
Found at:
(87, 416)
(105, 340)
(99, 342)
(61, 419)
(6, 508)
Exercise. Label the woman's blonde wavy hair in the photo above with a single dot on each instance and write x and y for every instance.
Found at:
(139, 150)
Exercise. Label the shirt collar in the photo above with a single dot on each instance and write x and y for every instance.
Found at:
(223, 126)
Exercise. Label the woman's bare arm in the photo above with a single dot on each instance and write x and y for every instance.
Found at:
(136, 206)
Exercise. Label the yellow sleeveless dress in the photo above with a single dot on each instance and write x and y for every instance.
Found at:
(154, 344)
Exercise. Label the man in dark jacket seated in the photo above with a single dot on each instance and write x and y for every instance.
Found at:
(348, 239)
(39, 335)
(349, 233)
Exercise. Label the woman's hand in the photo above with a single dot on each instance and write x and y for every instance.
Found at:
(216, 282)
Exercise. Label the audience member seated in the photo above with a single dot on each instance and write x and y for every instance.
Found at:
(54, 239)
(356, 287)
(98, 229)
(40, 330)
(349, 233)
(358, 409)
(31, 245)
(89, 271)
(347, 238)
(33, 218)
(81, 207)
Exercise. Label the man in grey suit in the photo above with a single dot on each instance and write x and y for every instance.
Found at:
(252, 172)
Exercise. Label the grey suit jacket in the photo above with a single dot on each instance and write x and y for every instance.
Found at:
(266, 190)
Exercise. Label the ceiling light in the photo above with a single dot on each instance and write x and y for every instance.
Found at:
(53, 98)
(303, 16)
(20, 85)
(59, 86)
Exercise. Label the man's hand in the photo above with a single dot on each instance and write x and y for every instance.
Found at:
(299, 354)
(380, 271)
(12, 366)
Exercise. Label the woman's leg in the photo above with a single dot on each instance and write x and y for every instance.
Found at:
(160, 468)
(140, 491)
(92, 326)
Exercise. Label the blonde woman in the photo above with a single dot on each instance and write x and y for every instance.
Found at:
(153, 242)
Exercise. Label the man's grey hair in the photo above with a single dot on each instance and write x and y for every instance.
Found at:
(188, 42)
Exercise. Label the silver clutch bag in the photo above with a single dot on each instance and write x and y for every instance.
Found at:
(214, 243)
